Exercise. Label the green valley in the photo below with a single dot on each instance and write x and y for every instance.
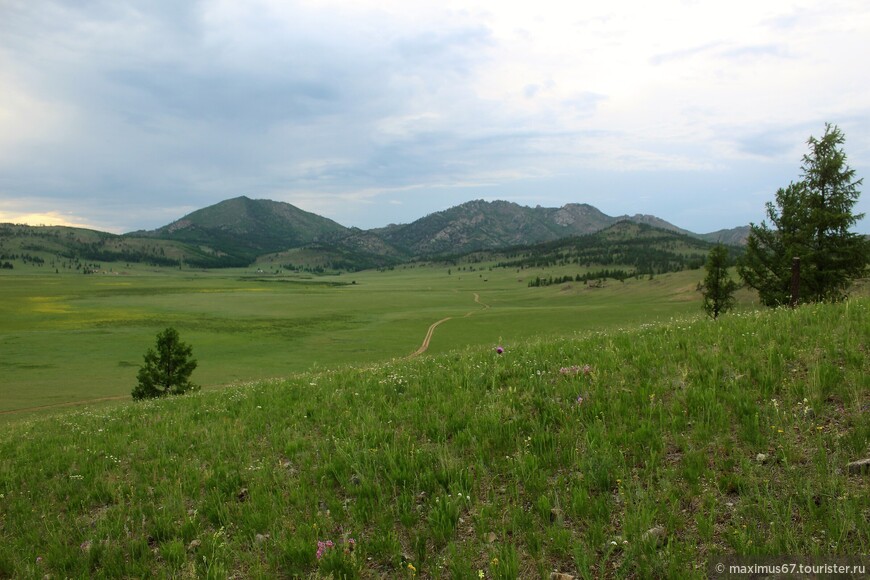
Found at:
(71, 338)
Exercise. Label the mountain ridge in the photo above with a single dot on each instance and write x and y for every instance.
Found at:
(239, 231)
(482, 225)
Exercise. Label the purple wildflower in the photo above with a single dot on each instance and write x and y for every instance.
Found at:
(579, 399)
(575, 370)
(499, 349)
(322, 547)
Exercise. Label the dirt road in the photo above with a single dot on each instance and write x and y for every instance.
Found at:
(425, 346)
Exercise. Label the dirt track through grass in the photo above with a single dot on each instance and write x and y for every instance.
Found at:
(425, 346)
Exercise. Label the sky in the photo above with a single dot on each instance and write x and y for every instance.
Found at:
(122, 115)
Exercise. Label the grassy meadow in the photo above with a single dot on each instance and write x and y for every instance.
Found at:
(632, 450)
(67, 337)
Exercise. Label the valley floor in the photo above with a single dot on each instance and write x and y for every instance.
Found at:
(69, 338)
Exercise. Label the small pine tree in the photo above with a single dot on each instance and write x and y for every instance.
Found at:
(718, 288)
(167, 370)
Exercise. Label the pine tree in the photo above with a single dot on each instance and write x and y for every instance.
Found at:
(167, 370)
(812, 219)
(766, 264)
(719, 288)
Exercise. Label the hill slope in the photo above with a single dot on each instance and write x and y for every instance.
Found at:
(643, 453)
(733, 236)
(641, 247)
(357, 250)
(243, 229)
(64, 247)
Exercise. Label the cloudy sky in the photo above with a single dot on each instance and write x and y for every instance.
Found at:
(124, 115)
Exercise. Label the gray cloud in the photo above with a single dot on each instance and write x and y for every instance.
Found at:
(146, 110)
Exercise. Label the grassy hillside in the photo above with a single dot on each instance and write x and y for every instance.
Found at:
(646, 452)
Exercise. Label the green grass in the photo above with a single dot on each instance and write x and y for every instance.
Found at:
(468, 462)
(74, 338)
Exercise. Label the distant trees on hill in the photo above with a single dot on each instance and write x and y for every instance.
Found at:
(651, 253)
(620, 275)
(26, 258)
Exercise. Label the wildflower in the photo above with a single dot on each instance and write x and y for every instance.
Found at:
(480, 574)
(39, 559)
(579, 399)
(322, 547)
(411, 569)
(499, 349)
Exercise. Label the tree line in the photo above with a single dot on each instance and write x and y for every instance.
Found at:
(616, 274)
(650, 253)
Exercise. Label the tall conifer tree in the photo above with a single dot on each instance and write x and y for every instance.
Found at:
(811, 221)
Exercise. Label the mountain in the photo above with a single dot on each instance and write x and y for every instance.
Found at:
(241, 229)
(481, 225)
